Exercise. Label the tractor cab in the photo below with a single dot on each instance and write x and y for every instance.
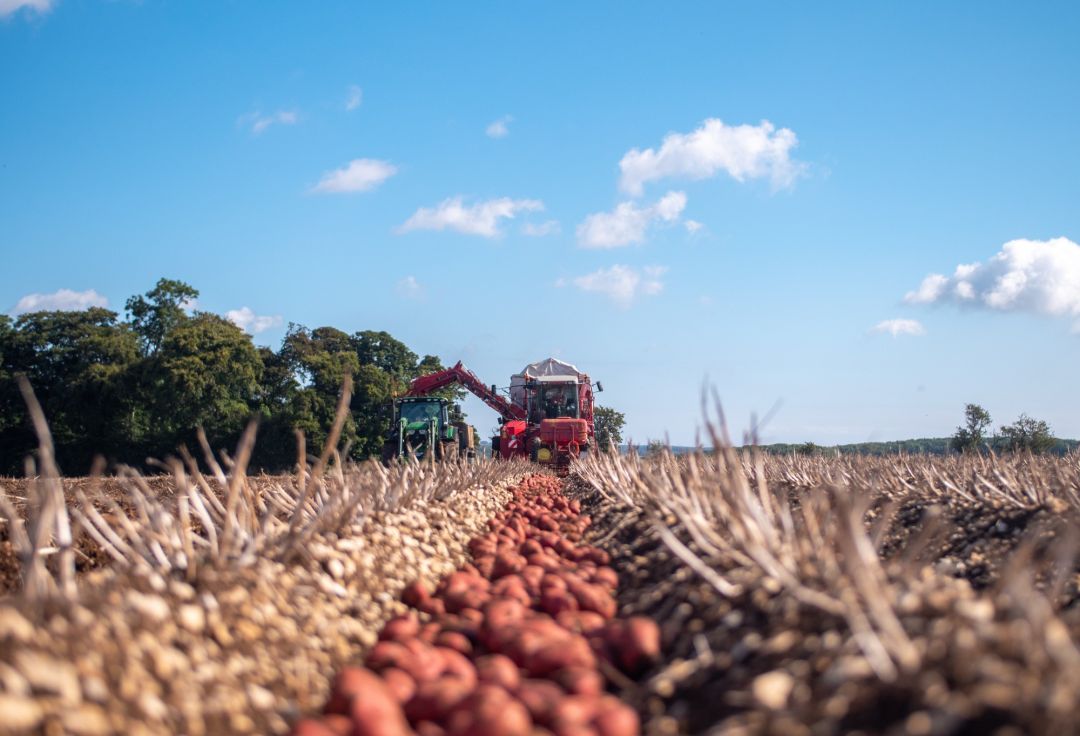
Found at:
(422, 426)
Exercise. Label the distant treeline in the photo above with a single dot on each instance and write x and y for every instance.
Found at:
(137, 388)
(923, 446)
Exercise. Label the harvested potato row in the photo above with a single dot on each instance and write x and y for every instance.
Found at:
(245, 646)
(515, 643)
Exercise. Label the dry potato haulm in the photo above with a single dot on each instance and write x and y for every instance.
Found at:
(724, 591)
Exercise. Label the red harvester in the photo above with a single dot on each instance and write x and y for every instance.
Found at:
(548, 417)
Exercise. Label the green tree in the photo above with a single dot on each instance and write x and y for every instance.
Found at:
(808, 448)
(160, 310)
(78, 364)
(1027, 434)
(320, 359)
(206, 373)
(279, 405)
(971, 436)
(609, 426)
(10, 416)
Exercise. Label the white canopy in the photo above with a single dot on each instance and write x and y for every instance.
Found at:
(547, 368)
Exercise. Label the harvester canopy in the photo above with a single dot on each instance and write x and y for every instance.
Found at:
(547, 368)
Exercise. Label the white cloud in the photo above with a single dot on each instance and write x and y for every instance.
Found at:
(743, 151)
(8, 7)
(622, 284)
(259, 122)
(897, 327)
(628, 222)
(551, 227)
(64, 300)
(481, 218)
(692, 226)
(409, 288)
(355, 97)
(360, 175)
(252, 323)
(1037, 276)
(499, 129)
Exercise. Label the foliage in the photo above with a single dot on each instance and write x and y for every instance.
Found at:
(156, 313)
(79, 364)
(141, 387)
(655, 448)
(609, 427)
(205, 374)
(971, 436)
(1026, 435)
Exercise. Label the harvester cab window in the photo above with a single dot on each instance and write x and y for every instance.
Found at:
(560, 401)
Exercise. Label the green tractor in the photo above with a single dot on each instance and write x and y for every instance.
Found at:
(422, 427)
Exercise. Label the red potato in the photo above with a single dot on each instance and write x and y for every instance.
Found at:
(485, 565)
(554, 656)
(425, 662)
(474, 615)
(565, 549)
(400, 627)
(458, 665)
(490, 711)
(574, 730)
(554, 601)
(454, 640)
(553, 581)
(459, 600)
(433, 607)
(368, 702)
(533, 577)
(594, 598)
(427, 728)
(512, 586)
(545, 560)
(620, 720)
(340, 725)
(641, 641)
(540, 697)
(429, 632)
(313, 727)
(386, 654)
(508, 563)
(607, 577)
(400, 683)
(574, 710)
(580, 680)
(498, 669)
(434, 700)
(500, 612)
(531, 547)
(581, 622)
(547, 523)
(415, 594)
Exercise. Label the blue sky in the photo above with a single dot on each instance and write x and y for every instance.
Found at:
(380, 167)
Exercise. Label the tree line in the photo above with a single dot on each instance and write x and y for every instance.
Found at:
(1026, 434)
(138, 387)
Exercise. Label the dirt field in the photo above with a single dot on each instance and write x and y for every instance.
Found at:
(793, 595)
